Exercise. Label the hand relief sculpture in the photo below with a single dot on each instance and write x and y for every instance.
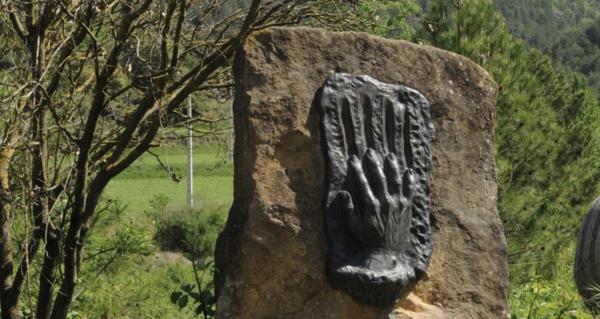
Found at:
(377, 141)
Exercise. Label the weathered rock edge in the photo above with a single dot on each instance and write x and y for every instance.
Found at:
(271, 256)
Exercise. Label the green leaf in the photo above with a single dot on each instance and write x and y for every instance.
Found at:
(199, 309)
(175, 295)
(183, 301)
(207, 296)
(187, 287)
(196, 296)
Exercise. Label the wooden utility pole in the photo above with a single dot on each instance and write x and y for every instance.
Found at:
(190, 158)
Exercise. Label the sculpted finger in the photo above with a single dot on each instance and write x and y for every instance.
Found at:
(365, 197)
(374, 128)
(409, 184)
(375, 173)
(393, 173)
(369, 203)
(334, 217)
(353, 125)
(334, 138)
(332, 127)
(396, 130)
(350, 214)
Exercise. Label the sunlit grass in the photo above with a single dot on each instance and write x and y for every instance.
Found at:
(213, 179)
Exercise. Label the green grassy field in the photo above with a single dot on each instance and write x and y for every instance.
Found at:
(145, 179)
(139, 285)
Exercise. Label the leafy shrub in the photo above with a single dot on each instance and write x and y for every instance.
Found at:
(193, 232)
(201, 293)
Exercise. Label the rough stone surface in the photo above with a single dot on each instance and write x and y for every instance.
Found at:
(271, 256)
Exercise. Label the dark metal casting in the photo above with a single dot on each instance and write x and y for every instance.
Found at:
(587, 258)
(377, 141)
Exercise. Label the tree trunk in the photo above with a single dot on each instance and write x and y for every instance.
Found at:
(9, 309)
(48, 274)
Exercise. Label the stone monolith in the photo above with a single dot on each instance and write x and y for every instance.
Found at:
(271, 257)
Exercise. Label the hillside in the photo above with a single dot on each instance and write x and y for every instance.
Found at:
(538, 22)
(568, 31)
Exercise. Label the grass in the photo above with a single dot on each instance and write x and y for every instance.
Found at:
(136, 193)
(139, 288)
(145, 179)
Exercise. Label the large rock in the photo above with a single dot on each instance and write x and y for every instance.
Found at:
(271, 256)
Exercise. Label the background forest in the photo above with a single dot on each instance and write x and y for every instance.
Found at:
(149, 256)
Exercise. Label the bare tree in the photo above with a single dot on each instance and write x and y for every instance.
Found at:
(85, 87)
